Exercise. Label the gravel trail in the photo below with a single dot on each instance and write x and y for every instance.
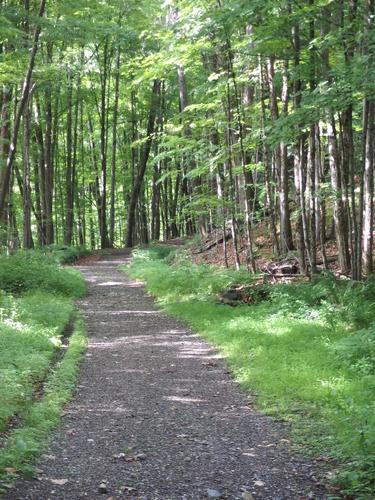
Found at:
(157, 416)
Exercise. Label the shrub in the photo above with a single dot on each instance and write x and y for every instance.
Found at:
(26, 271)
(357, 351)
(64, 254)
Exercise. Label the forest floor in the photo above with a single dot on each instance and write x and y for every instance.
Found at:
(157, 416)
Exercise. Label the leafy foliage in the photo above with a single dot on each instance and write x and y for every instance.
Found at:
(26, 442)
(26, 271)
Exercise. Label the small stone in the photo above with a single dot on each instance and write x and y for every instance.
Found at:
(246, 495)
(103, 487)
(211, 493)
(10, 470)
(259, 483)
(59, 482)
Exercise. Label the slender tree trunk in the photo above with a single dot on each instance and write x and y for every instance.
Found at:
(197, 181)
(26, 195)
(248, 194)
(4, 187)
(228, 167)
(103, 147)
(368, 189)
(143, 164)
(368, 150)
(69, 177)
(286, 241)
(339, 211)
(48, 161)
(114, 151)
(267, 163)
(5, 138)
(41, 172)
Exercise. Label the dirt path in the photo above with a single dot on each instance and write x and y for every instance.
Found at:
(156, 415)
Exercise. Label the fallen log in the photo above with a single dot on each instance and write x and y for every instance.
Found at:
(215, 238)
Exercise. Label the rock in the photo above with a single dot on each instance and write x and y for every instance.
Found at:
(231, 297)
(246, 495)
(103, 487)
(211, 493)
(10, 470)
(259, 483)
(60, 482)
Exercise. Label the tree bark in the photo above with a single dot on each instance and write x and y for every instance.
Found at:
(4, 188)
(114, 151)
(26, 194)
(155, 96)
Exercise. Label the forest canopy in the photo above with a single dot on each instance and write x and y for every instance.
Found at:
(126, 122)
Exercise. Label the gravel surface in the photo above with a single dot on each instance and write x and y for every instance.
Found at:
(157, 416)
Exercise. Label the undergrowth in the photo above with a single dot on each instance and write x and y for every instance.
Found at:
(308, 352)
(35, 309)
(30, 332)
(26, 271)
(25, 443)
(64, 254)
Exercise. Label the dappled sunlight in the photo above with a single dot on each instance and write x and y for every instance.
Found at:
(128, 312)
(276, 330)
(99, 409)
(134, 284)
(135, 312)
(184, 399)
(130, 370)
(334, 384)
(153, 340)
(199, 355)
(112, 283)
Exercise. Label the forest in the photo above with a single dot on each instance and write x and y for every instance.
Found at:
(229, 147)
(123, 123)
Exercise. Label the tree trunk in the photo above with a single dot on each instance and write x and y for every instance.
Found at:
(4, 187)
(286, 240)
(339, 211)
(143, 164)
(26, 194)
(114, 151)
(69, 177)
(368, 189)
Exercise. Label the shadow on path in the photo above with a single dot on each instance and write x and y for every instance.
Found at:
(156, 415)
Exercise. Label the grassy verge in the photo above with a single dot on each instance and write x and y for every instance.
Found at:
(30, 337)
(25, 443)
(308, 352)
(36, 306)
(64, 254)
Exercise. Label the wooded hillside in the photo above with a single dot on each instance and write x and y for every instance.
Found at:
(125, 122)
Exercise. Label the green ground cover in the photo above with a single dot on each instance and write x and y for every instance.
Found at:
(36, 307)
(308, 352)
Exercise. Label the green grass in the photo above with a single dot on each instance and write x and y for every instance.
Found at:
(36, 306)
(27, 271)
(63, 254)
(30, 333)
(308, 353)
(25, 443)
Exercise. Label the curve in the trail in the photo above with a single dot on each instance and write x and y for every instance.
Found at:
(157, 416)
